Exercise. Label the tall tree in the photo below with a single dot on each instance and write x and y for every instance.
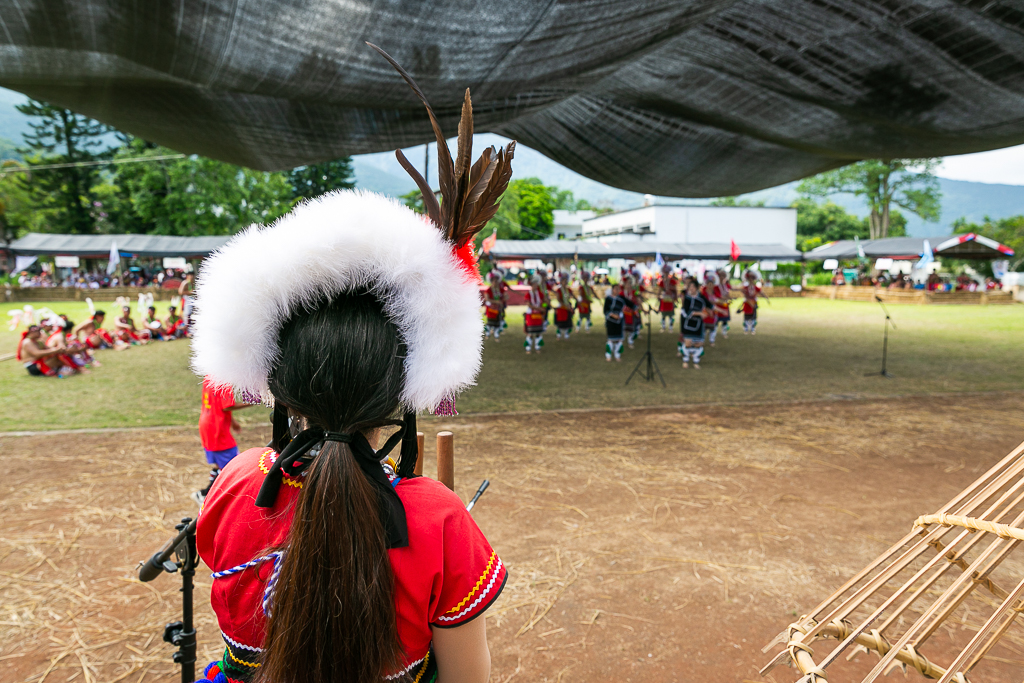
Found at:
(193, 195)
(61, 136)
(535, 207)
(316, 179)
(908, 183)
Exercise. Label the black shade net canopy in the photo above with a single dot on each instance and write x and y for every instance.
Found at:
(690, 98)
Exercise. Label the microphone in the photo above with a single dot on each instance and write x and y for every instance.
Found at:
(161, 560)
(479, 492)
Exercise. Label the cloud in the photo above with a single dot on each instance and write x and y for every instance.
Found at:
(1003, 166)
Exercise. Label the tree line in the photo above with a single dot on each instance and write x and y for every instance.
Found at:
(108, 181)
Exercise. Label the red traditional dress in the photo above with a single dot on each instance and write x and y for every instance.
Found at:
(566, 306)
(533, 320)
(751, 290)
(446, 576)
(34, 367)
(495, 299)
(722, 302)
(709, 291)
(668, 293)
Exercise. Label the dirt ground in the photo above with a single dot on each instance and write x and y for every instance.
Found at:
(645, 545)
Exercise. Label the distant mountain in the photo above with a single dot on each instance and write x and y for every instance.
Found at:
(382, 173)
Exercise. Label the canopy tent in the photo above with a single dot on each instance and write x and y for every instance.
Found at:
(98, 246)
(673, 97)
(968, 246)
(601, 251)
(971, 246)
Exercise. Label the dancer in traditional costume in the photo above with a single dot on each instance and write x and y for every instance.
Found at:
(495, 303)
(722, 302)
(91, 333)
(72, 353)
(125, 330)
(668, 297)
(632, 322)
(692, 317)
(585, 298)
(709, 291)
(616, 307)
(174, 325)
(566, 306)
(751, 290)
(347, 568)
(151, 327)
(39, 360)
(535, 318)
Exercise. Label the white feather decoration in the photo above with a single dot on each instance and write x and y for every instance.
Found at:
(334, 243)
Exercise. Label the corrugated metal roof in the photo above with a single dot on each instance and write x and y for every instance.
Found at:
(909, 248)
(98, 246)
(598, 251)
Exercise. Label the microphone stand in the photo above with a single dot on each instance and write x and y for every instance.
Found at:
(652, 365)
(885, 340)
(181, 634)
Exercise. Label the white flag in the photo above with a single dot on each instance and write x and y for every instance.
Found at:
(115, 258)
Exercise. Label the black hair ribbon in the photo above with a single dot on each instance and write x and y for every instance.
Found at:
(294, 459)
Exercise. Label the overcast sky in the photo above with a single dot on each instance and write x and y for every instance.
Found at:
(1004, 166)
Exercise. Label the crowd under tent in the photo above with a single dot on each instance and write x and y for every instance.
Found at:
(128, 245)
(700, 98)
(969, 246)
(640, 251)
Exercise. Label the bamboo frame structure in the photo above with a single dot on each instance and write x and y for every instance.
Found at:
(918, 604)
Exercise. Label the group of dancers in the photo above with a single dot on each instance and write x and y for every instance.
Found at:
(703, 308)
(53, 346)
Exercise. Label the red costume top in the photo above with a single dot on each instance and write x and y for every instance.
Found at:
(446, 576)
(709, 292)
(669, 292)
(750, 292)
(215, 419)
(722, 299)
(584, 297)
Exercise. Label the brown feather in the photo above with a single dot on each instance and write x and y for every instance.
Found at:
(470, 192)
(463, 160)
(430, 204)
(445, 165)
(489, 198)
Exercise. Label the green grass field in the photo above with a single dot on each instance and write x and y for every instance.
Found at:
(804, 349)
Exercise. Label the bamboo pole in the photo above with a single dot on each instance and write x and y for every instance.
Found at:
(418, 469)
(446, 459)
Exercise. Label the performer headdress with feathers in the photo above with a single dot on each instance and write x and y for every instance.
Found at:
(421, 268)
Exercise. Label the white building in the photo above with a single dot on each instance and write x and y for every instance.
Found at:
(694, 225)
(569, 224)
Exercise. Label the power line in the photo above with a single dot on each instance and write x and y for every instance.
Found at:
(44, 167)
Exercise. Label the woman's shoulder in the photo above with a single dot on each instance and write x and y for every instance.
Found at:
(430, 497)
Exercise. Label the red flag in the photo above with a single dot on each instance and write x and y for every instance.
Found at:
(489, 241)
(734, 251)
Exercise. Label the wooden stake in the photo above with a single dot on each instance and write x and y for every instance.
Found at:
(446, 459)
(418, 469)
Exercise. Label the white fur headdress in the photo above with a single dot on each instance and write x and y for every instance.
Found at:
(420, 267)
(336, 243)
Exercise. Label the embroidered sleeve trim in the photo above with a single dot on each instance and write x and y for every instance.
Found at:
(490, 584)
(479, 583)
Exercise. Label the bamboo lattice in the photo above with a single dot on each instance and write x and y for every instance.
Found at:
(944, 600)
